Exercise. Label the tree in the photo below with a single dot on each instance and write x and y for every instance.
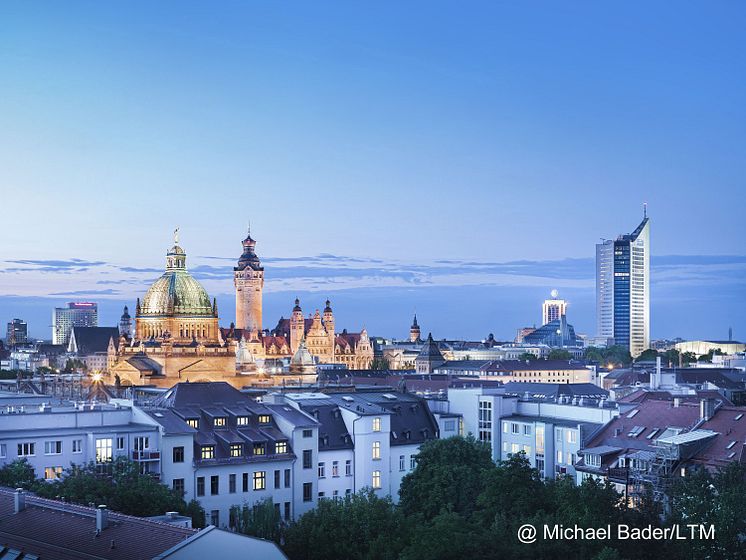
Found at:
(73, 364)
(448, 477)
(528, 357)
(379, 364)
(688, 358)
(260, 520)
(18, 474)
(648, 355)
(119, 485)
(559, 354)
(359, 527)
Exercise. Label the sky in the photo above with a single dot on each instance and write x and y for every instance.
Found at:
(457, 160)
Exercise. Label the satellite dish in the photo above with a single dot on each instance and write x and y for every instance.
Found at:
(554, 293)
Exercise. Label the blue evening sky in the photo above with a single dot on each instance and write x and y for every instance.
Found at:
(369, 142)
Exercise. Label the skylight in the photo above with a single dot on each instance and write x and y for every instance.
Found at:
(632, 414)
(739, 416)
(636, 431)
(389, 396)
(730, 445)
(653, 432)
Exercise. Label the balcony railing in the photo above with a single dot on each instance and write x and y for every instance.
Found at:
(146, 455)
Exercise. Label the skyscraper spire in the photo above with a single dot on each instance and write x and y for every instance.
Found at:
(644, 209)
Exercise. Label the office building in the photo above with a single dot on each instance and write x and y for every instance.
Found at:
(76, 314)
(552, 309)
(17, 333)
(623, 289)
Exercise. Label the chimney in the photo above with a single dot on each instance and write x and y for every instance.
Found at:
(706, 409)
(655, 379)
(19, 500)
(102, 518)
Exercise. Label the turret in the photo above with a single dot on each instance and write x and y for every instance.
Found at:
(297, 327)
(248, 280)
(328, 321)
(414, 331)
(125, 323)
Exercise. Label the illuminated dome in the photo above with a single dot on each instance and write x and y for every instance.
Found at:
(176, 293)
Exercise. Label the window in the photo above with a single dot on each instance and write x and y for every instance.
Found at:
(527, 450)
(515, 428)
(377, 424)
(242, 420)
(278, 477)
(572, 436)
(265, 419)
(571, 458)
(208, 451)
(348, 467)
(449, 426)
(335, 469)
(245, 482)
(593, 460)
(26, 449)
(120, 443)
(322, 470)
(485, 421)
(281, 447)
(287, 478)
(200, 486)
(526, 429)
(558, 435)
(236, 449)
(348, 492)
(193, 423)
(506, 446)
(307, 458)
(287, 510)
(77, 446)
(321, 495)
(540, 440)
(307, 433)
(402, 464)
(515, 448)
(178, 485)
(376, 480)
(178, 454)
(559, 456)
(307, 491)
(3, 450)
(260, 448)
(52, 473)
(215, 517)
(260, 480)
(103, 450)
(52, 447)
(214, 485)
(231, 483)
(376, 450)
(505, 427)
(412, 462)
(219, 422)
(142, 442)
(335, 494)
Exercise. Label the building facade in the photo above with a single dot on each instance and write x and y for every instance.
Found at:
(552, 309)
(623, 289)
(17, 333)
(76, 314)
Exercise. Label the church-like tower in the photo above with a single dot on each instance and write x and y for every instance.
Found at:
(414, 331)
(248, 279)
(297, 327)
(125, 323)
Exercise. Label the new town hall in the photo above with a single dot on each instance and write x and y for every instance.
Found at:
(177, 336)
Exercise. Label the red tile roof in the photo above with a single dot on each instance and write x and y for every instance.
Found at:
(60, 531)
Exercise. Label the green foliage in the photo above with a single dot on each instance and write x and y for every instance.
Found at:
(13, 373)
(617, 356)
(528, 357)
(708, 357)
(260, 520)
(18, 474)
(194, 510)
(688, 358)
(379, 364)
(359, 527)
(119, 485)
(73, 364)
(648, 355)
(448, 477)
(559, 354)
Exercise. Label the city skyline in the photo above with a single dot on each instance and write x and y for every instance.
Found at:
(462, 171)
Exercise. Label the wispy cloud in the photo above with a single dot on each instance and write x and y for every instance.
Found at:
(108, 292)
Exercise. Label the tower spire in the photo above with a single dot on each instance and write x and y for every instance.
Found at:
(644, 209)
(176, 236)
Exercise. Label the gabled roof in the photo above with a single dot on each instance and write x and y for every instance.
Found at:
(91, 340)
(430, 351)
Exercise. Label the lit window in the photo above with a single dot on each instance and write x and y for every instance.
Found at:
(265, 418)
(260, 480)
(236, 449)
(376, 480)
(103, 450)
(259, 449)
(281, 447)
(219, 422)
(335, 468)
(242, 421)
(52, 473)
(208, 451)
(193, 423)
(376, 424)
(572, 436)
(376, 450)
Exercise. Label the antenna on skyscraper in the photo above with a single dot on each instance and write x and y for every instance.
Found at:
(644, 209)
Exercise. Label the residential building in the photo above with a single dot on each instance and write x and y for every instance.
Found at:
(535, 371)
(623, 289)
(76, 314)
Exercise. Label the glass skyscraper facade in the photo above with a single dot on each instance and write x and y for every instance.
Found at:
(623, 289)
(76, 314)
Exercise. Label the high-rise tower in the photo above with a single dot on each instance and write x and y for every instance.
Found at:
(623, 289)
(552, 309)
(248, 279)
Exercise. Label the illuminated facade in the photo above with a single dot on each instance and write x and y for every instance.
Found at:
(552, 309)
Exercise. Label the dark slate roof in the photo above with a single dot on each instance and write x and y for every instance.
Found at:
(293, 415)
(333, 432)
(54, 530)
(430, 351)
(556, 389)
(90, 340)
(172, 423)
(730, 444)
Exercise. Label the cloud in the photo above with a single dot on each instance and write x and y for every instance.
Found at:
(70, 263)
(107, 292)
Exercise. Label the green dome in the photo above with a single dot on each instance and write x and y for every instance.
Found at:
(176, 292)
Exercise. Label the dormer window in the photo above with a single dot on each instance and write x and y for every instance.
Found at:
(242, 421)
(219, 422)
(236, 449)
(259, 449)
(193, 423)
(265, 419)
(281, 447)
(208, 452)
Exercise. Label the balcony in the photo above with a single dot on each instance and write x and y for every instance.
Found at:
(146, 455)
